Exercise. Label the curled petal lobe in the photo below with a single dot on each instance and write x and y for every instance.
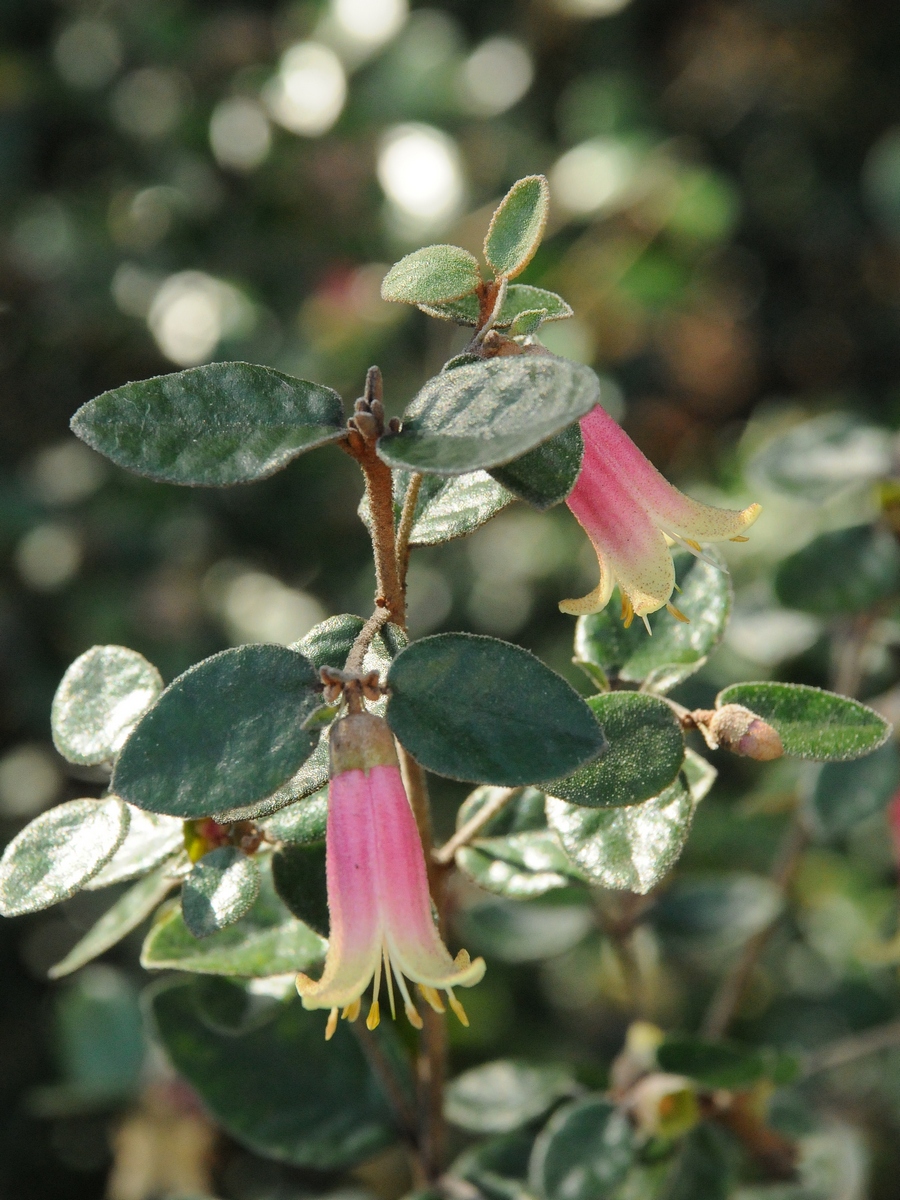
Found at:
(414, 944)
(632, 514)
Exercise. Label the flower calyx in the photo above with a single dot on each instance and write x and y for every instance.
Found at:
(735, 728)
(351, 686)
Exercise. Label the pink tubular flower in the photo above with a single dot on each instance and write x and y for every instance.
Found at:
(378, 900)
(632, 515)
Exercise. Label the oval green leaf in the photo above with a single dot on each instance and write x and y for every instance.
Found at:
(845, 571)
(99, 701)
(211, 426)
(519, 298)
(489, 413)
(151, 839)
(301, 823)
(824, 457)
(451, 508)
(221, 888)
(432, 275)
(501, 1096)
(846, 793)
(58, 852)
(280, 1089)
(478, 709)
(517, 226)
(584, 1151)
(714, 1064)
(298, 871)
(645, 752)
(812, 723)
(626, 849)
(702, 1167)
(227, 732)
(267, 941)
(519, 865)
(118, 921)
(545, 476)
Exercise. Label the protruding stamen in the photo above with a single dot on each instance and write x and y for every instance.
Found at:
(390, 982)
(646, 621)
(373, 1020)
(412, 1012)
(332, 1024)
(351, 1012)
(433, 997)
(627, 612)
(677, 614)
(740, 538)
(457, 1008)
(412, 1015)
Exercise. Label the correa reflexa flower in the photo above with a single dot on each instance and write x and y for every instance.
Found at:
(632, 515)
(378, 900)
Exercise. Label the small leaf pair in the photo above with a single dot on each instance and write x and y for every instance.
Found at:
(441, 274)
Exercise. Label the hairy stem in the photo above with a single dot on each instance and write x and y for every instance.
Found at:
(730, 991)
(404, 529)
(364, 639)
(444, 856)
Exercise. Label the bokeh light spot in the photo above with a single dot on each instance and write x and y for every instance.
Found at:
(495, 76)
(308, 93)
(88, 53)
(420, 172)
(239, 134)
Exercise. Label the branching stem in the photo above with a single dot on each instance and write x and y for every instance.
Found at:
(444, 856)
(404, 529)
(365, 637)
(730, 992)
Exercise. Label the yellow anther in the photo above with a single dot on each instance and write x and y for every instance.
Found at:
(458, 1009)
(332, 1024)
(351, 1012)
(696, 545)
(739, 538)
(374, 1018)
(412, 1014)
(627, 612)
(432, 995)
(677, 614)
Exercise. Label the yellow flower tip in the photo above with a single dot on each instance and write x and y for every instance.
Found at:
(303, 984)
(432, 995)
(332, 1024)
(351, 1012)
(412, 1014)
(462, 960)
(373, 1020)
(677, 614)
(458, 1009)
(740, 538)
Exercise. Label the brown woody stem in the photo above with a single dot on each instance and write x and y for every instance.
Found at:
(730, 992)
(404, 529)
(364, 639)
(444, 856)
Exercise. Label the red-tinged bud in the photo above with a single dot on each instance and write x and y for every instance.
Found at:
(739, 730)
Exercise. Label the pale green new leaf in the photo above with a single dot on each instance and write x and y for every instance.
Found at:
(99, 701)
(58, 852)
(118, 921)
(432, 275)
(517, 226)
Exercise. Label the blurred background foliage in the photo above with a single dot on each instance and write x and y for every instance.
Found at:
(189, 180)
